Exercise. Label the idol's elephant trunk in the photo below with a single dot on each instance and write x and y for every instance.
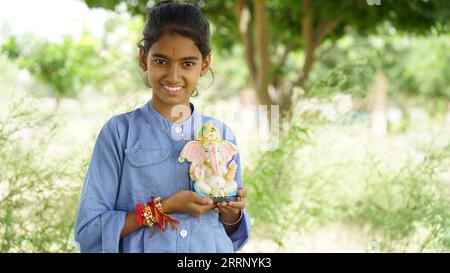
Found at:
(215, 158)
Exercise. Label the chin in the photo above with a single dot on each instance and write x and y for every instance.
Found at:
(171, 100)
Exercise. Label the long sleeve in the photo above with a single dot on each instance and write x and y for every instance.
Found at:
(98, 225)
(242, 234)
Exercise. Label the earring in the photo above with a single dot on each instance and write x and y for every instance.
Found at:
(194, 92)
(145, 79)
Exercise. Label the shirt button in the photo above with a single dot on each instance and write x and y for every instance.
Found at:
(178, 129)
(183, 233)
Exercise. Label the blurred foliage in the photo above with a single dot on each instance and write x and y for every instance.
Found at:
(425, 68)
(270, 183)
(120, 72)
(229, 77)
(66, 67)
(285, 16)
(346, 65)
(108, 64)
(351, 66)
(286, 39)
(410, 206)
(37, 200)
(318, 175)
(395, 191)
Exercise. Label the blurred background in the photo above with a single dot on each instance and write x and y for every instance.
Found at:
(362, 155)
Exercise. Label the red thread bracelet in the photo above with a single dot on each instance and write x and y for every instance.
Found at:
(151, 214)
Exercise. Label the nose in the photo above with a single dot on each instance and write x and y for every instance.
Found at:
(173, 74)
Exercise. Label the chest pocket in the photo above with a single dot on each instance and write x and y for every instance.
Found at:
(149, 171)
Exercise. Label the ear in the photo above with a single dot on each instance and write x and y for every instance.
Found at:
(228, 149)
(142, 59)
(205, 65)
(192, 152)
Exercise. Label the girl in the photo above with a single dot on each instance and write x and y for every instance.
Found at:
(137, 197)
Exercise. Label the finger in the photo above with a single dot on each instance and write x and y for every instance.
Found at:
(226, 210)
(201, 200)
(208, 207)
(230, 207)
(229, 211)
(220, 204)
(203, 208)
(242, 192)
(237, 205)
(222, 210)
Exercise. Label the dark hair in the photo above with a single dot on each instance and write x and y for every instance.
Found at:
(181, 18)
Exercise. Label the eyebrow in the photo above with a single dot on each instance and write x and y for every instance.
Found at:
(157, 55)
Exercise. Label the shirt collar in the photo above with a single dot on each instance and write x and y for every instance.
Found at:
(167, 125)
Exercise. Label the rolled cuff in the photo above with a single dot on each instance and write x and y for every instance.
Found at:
(112, 225)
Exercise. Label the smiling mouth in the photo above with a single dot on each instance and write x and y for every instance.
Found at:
(172, 89)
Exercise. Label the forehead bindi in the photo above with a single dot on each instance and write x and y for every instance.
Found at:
(175, 47)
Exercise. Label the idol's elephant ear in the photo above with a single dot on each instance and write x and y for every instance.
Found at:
(192, 152)
(228, 149)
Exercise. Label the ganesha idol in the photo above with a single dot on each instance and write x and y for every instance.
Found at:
(209, 155)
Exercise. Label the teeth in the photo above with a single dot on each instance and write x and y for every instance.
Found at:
(173, 89)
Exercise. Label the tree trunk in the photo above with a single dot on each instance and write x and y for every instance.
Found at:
(244, 18)
(257, 53)
(57, 103)
(257, 59)
(378, 104)
(308, 40)
(262, 52)
(447, 113)
(307, 26)
(312, 38)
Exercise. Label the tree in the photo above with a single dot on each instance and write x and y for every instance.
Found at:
(66, 67)
(272, 30)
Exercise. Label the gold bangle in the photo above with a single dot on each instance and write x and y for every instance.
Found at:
(231, 224)
(149, 219)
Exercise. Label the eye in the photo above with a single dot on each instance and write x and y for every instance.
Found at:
(160, 61)
(188, 64)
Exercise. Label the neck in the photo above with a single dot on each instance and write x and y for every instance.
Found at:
(176, 113)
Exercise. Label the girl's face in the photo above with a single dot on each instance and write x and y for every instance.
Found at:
(174, 65)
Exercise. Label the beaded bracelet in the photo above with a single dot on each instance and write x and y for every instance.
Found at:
(151, 214)
(231, 224)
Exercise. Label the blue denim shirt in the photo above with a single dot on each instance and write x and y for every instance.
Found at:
(134, 158)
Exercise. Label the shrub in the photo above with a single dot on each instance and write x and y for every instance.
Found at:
(37, 202)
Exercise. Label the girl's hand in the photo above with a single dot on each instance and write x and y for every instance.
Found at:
(231, 209)
(187, 202)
